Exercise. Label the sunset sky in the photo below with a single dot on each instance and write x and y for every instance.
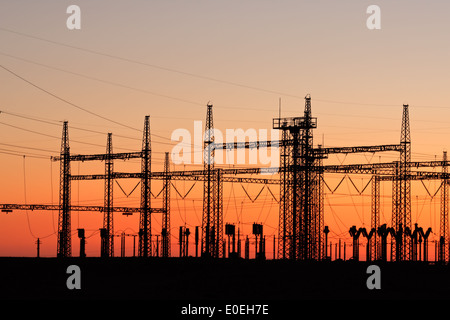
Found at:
(168, 59)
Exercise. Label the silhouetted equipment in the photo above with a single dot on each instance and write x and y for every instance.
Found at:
(326, 231)
(82, 243)
(355, 233)
(165, 234)
(196, 241)
(443, 225)
(145, 227)
(184, 241)
(301, 231)
(108, 202)
(64, 247)
(230, 231)
(258, 232)
(104, 243)
(247, 248)
(212, 219)
(38, 243)
(122, 244)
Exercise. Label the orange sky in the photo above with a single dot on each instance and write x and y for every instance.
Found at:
(167, 59)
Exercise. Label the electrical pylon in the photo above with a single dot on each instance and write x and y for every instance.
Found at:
(375, 250)
(64, 244)
(208, 230)
(145, 248)
(401, 190)
(165, 233)
(108, 222)
(443, 230)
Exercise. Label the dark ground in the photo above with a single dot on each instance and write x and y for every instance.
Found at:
(178, 282)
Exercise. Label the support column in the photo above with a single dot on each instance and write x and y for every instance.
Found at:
(108, 203)
(165, 233)
(145, 248)
(444, 229)
(64, 245)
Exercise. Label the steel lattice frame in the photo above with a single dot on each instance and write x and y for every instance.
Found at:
(145, 248)
(444, 229)
(64, 243)
(401, 190)
(108, 224)
(218, 227)
(301, 191)
(375, 243)
(285, 210)
(209, 189)
(166, 243)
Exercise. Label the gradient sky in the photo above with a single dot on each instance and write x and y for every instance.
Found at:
(167, 59)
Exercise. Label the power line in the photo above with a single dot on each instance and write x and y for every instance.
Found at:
(103, 81)
(58, 123)
(172, 70)
(133, 88)
(153, 65)
(66, 101)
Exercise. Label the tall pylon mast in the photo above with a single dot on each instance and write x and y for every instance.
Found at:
(165, 233)
(444, 229)
(64, 226)
(208, 231)
(108, 223)
(145, 248)
(401, 190)
(301, 206)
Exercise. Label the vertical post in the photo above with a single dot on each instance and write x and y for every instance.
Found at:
(108, 201)
(82, 243)
(444, 229)
(64, 244)
(38, 242)
(335, 251)
(219, 251)
(180, 240)
(375, 217)
(186, 242)
(273, 247)
(157, 245)
(420, 247)
(339, 249)
(103, 243)
(247, 248)
(344, 250)
(402, 190)
(262, 249)
(331, 250)
(122, 244)
(239, 243)
(256, 246)
(166, 214)
(234, 243)
(208, 186)
(145, 249)
(196, 241)
(229, 244)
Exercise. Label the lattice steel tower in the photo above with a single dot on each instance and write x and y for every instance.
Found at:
(444, 229)
(64, 226)
(300, 231)
(145, 248)
(108, 201)
(212, 218)
(165, 233)
(401, 190)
